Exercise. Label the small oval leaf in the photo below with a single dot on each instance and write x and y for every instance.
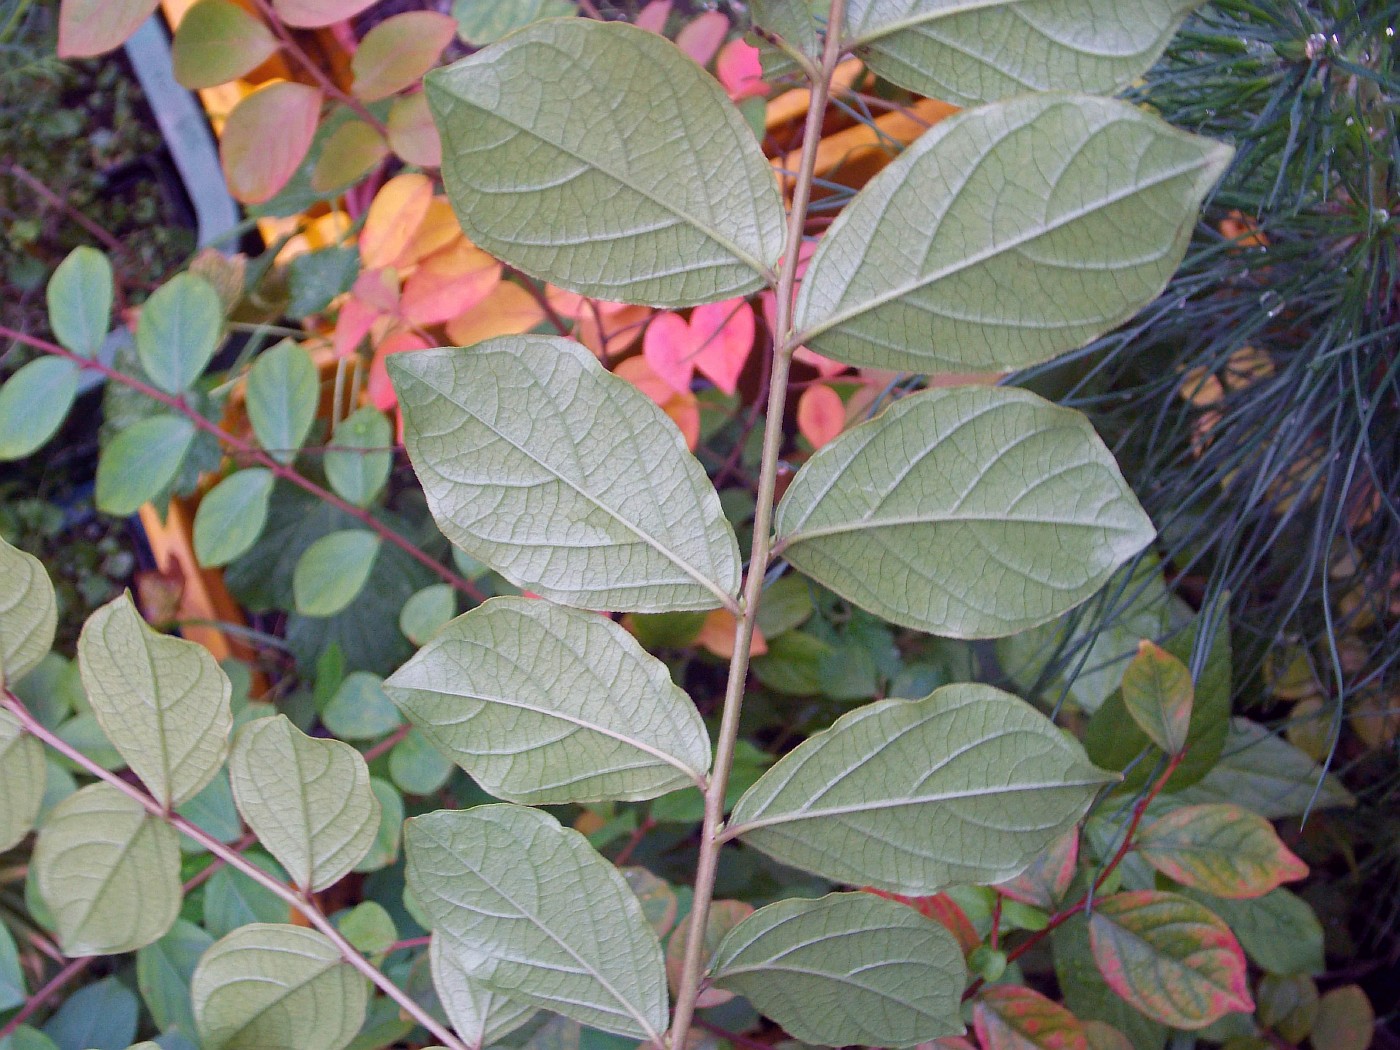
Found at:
(1006, 235)
(141, 462)
(93, 27)
(850, 968)
(1223, 849)
(271, 985)
(283, 393)
(578, 488)
(507, 887)
(967, 512)
(308, 800)
(1169, 957)
(80, 301)
(547, 705)
(350, 153)
(333, 570)
(163, 702)
(108, 871)
(266, 138)
(1010, 1018)
(968, 785)
(218, 41)
(358, 467)
(28, 613)
(1158, 693)
(672, 205)
(231, 516)
(399, 50)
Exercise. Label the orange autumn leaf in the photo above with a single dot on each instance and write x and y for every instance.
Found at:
(395, 215)
(683, 408)
(436, 230)
(943, 910)
(821, 414)
(717, 635)
(448, 283)
(508, 310)
(617, 333)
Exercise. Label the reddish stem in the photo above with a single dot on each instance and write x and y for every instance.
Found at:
(245, 448)
(387, 743)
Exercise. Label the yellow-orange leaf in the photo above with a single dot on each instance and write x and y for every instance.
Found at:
(508, 310)
(266, 139)
(717, 635)
(395, 215)
(1220, 848)
(821, 414)
(398, 51)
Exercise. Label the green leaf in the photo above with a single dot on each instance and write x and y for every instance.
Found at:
(483, 22)
(507, 886)
(425, 613)
(360, 709)
(1266, 773)
(162, 701)
(1158, 693)
(969, 53)
(668, 202)
(283, 391)
(34, 402)
(385, 848)
(80, 298)
(965, 786)
(333, 571)
(350, 152)
(163, 973)
(848, 968)
(218, 41)
(108, 871)
(946, 263)
(1169, 957)
(542, 704)
(181, 325)
(417, 767)
(1010, 1018)
(578, 488)
(369, 928)
(141, 462)
(232, 899)
(1345, 1020)
(314, 279)
(308, 800)
(358, 476)
(26, 1038)
(13, 991)
(1226, 850)
(479, 1015)
(787, 605)
(101, 1016)
(231, 516)
(1279, 931)
(967, 512)
(1088, 995)
(397, 51)
(269, 985)
(28, 614)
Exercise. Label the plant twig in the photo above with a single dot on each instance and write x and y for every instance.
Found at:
(109, 240)
(253, 452)
(300, 901)
(784, 344)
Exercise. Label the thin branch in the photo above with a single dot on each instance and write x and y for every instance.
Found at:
(300, 901)
(108, 239)
(258, 455)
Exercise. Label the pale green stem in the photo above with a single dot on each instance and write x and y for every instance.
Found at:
(710, 836)
(233, 859)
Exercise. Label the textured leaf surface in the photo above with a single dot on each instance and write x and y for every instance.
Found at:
(162, 701)
(309, 800)
(968, 512)
(1010, 1018)
(283, 391)
(267, 985)
(479, 1015)
(108, 871)
(1170, 957)
(34, 402)
(1158, 693)
(1006, 235)
(564, 478)
(624, 173)
(180, 327)
(333, 571)
(80, 301)
(1086, 993)
(974, 52)
(22, 773)
(1226, 850)
(141, 462)
(545, 705)
(1279, 931)
(218, 41)
(537, 915)
(28, 613)
(848, 968)
(483, 22)
(965, 786)
(231, 516)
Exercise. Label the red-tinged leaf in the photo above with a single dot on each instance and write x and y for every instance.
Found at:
(1223, 849)
(412, 133)
(437, 230)
(825, 366)
(739, 70)
(653, 17)
(722, 334)
(701, 37)
(668, 350)
(1045, 882)
(682, 408)
(821, 414)
(218, 41)
(610, 335)
(717, 635)
(378, 288)
(381, 390)
(352, 326)
(943, 910)
(1345, 1020)
(449, 283)
(1007, 1017)
(351, 152)
(395, 214)
(1169, 957)
(1158, 693)
(508, 310)
(724, 916)
(310, 14)
(94, 27)
(266, 138)
(1103, 1036)
(397, 52)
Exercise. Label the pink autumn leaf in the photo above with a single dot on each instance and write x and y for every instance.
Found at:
(701, 38)
(821, 414)
(723, 335)
(381, 390)
(653, 17)
(668, 351)
(352, 325)
(740, 71)
(378, 289)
